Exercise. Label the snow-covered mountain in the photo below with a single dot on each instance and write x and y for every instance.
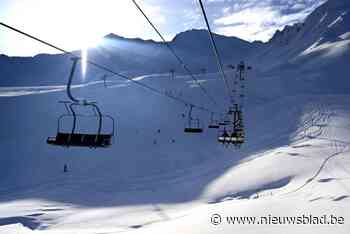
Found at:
(325, 33)
(156, 179)
(131, 56)
(303, 45)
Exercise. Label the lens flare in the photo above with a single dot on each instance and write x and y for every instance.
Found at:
(84, 57)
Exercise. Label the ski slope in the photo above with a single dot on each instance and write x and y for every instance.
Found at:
(157, 179)
(297, 155)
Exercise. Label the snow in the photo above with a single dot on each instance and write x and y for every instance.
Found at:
(29, 90)
(295, 161)
(14, 229)
(345, 36)
(285, 175)
(323, 17)
(330, 48)
(338, 20)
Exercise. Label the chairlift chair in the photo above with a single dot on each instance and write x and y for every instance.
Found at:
(98, 139)
(194, 125)
(225, 121)
(194, 128)
(214, 126)
(222, 123)
(213, 123)
(231, 111)
(241, 66)
(237, 137)
(224, 137)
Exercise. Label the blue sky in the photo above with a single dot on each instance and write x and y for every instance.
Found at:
(75, 24)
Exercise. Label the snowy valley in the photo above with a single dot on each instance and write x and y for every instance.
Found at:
(157, 179)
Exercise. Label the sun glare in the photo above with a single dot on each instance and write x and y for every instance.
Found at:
(84, 57)
(73, 25)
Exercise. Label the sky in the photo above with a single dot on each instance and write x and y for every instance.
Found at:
(77, 24)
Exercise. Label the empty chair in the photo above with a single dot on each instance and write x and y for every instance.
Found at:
(213, 123)
(76, 138)
(214, 126)
(193, 125)
(193, 130)
(73, 137)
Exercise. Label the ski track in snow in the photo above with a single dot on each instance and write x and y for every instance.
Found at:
(295, 161)
(313, 128)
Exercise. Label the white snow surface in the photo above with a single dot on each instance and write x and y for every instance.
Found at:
(295, 161)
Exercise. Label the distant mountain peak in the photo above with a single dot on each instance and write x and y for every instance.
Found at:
(285, 35)
(201, 34)
(112, 36)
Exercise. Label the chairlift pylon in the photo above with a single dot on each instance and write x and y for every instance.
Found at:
(104, 79)
(98, 139)
(237, 136)
(172, 74)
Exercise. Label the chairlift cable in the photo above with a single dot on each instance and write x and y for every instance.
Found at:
(182, 63)
(216, 51)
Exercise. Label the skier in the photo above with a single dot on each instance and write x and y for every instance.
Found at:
(65, 168)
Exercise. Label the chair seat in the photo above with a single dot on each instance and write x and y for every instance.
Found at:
(193, 130)
(81, 140)
(214, 126)
(233, 139)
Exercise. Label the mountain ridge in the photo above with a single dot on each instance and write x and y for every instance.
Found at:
(301, 44)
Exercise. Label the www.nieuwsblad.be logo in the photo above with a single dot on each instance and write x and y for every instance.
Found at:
(217, 219)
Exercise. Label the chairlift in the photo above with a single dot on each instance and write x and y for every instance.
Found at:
(213, 123)
(231, 111)
(224, 137)
(194, 125)
(225, 121)
(172, 73)
(77, 138)
(241, 66)
(231, 66)
(104, 79)
(242, 69)
(237, 137)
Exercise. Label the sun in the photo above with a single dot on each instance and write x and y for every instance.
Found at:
(73, 25)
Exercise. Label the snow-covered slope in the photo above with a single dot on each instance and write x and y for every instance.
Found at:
(156, 179)
(298, 154)
(324, 34)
